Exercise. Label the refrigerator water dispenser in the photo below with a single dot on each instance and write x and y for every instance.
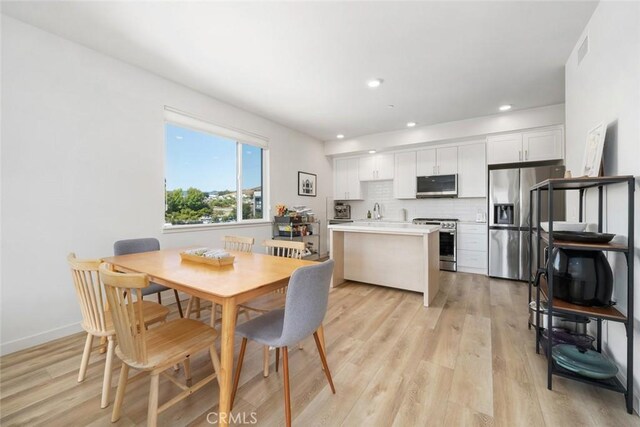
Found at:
(503, 214)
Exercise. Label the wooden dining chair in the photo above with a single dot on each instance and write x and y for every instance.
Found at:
(231, 243)
(155, 350)
(276, 299)
(305, 308)
(97, 319)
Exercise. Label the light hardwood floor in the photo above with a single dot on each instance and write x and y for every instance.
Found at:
(468, 360)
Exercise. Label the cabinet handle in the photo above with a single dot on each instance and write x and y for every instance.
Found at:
(526, 154)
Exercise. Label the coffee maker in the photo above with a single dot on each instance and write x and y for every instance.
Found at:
(341, 211)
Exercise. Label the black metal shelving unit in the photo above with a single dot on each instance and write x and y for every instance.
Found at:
(557, 306)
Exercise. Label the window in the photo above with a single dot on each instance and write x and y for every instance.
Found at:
(211, 178)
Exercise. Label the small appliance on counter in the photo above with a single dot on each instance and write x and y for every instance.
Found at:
(341, 211)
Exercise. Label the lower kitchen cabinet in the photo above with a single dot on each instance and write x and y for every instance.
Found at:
(472, 248)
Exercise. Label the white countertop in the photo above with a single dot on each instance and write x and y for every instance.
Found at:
(384, 227)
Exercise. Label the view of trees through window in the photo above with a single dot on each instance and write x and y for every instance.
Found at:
(200, 178)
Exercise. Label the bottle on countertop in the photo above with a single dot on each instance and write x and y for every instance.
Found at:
(369, 214)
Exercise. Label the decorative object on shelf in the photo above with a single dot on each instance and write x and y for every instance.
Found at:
(589, 363)
(582, 277)
(592, 162)
(583, 237)
(281, 210)
(567, 174)
(307, 184)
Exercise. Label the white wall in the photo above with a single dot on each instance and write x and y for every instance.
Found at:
(458, 130)
(82, 166)
(605, 87)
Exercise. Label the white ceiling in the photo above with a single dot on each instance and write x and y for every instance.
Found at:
(306, 64)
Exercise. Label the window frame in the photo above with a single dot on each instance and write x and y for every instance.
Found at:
(239, 222)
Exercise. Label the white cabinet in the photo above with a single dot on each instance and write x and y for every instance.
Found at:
(472, 248)
(346, 179)
(504, 148)
(447, 160)
(543, 145)
(530, 146)
(404, 181)
(426, 162)
(376, 167)
(472, 179)
(437, 161)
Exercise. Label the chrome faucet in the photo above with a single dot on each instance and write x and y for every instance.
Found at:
(376, 211)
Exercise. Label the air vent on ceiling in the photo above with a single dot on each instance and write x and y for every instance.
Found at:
(583, 49)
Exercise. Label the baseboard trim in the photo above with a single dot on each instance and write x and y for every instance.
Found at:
(73, 328)
(40, 338)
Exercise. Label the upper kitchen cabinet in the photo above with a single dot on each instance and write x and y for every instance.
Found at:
(404, 181)
(504, 148)
(376, 167)
(437, 161)
(346, 179)
(543, 145)
(530, 146)
(472, 179)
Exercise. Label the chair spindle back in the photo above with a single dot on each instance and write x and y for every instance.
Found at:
(90, 293)
(284, 248)
(238, 243)
(128, 319)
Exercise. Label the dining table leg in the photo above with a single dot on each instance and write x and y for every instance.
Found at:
(228, 327)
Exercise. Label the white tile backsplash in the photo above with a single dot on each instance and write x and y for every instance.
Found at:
(382, 192)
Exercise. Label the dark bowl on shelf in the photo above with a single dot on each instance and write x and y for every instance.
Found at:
(583, 236)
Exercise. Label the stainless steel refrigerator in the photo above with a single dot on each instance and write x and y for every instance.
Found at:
(509, 217)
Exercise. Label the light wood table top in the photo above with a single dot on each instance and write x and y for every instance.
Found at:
(249, 272)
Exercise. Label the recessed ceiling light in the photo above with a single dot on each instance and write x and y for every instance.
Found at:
(340, 136)
(374, 83)
(372, 151)
(411, 124)
(505, 107)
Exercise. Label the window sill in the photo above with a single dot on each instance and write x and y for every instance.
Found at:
(167, 229)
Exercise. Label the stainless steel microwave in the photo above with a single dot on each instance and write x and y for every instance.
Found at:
(437, 186)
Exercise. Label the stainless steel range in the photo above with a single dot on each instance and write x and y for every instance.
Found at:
(448, 227)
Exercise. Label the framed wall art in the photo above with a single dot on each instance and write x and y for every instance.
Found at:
(307, 184)
(593, 151)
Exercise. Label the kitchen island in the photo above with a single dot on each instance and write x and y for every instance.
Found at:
(398, 255)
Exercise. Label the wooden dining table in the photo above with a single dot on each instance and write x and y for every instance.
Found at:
(250, 276)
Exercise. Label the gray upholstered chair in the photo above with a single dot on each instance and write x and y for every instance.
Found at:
(134, 246)
(304, 310)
